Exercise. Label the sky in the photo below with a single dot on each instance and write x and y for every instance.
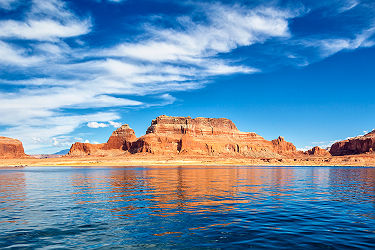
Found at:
(76, 70)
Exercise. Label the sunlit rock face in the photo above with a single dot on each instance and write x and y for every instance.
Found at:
(11, 148)
(317, 151)
(82, 149)
(120, 140)
(282, 147)
(186, 136)
(356, 145)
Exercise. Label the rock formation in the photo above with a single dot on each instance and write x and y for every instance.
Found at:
(317, 151)
(11, 148)
(356, 145)
(199, 136)
(186, 136)
(82, 149)
(283, 147)
(120, 139)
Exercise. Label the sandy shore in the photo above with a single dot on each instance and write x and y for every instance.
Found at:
(358, 160)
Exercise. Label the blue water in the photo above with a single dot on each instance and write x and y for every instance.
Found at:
(187, 207)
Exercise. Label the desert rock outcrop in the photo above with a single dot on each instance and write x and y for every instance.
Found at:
(317, 151)
(356, 145)
(187, 136)
(120, 140)
(11, 148)
(283, 147)
(200, 136)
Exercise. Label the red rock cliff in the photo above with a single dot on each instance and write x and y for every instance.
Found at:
(201, 136)
(186, 136)
(283, 147)
(356, 145)
(11, 148)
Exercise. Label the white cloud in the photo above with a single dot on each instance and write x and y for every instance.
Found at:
(42, 29)
(10, 55)
(331, 46)
(104, 125)
(168, 99)
(348, 5)
(115, 124)
(228, 28)
(96, 125)
(47, 20)
(24, 105)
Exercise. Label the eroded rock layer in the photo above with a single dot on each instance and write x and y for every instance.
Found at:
(200, 136)
(11, 148)
(356, 145)
(186, 136)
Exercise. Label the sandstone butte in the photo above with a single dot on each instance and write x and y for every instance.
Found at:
(11, 148)
(317, 151)
(358, 145)
(188, 137)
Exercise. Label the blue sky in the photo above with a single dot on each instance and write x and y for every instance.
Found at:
(75, 70)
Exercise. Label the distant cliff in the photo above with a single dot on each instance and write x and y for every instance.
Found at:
(317, 151)
(11, 148)
(356, 145)
(186, 136)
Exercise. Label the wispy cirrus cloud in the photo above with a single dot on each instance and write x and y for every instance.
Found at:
(11, 55)
(41, 29)
(331, 46)
(46, 20)
(227, 29)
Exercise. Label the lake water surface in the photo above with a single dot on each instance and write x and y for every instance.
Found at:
(187, 207)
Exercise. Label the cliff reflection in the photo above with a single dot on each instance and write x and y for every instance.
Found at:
(12, 194)
(184, 189)
(12, 188)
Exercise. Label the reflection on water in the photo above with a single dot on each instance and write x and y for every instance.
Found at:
(187, 207)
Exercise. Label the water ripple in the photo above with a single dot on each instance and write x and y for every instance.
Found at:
(188, 207)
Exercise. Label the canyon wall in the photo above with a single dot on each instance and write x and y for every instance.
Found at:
(356, 145)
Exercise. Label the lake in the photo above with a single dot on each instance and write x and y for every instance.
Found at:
(187, 207)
